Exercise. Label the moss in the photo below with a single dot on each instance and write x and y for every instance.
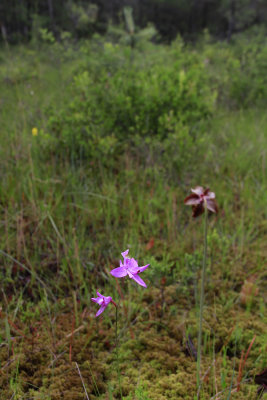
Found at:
(152, 351)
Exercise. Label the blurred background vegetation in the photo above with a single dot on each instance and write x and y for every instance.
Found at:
(21, 20)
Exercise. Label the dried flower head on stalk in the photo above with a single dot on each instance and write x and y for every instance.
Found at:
(199, 199)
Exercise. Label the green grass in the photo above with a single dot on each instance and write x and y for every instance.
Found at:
(63, 225)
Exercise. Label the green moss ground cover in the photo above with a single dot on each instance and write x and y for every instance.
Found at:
(122, 137)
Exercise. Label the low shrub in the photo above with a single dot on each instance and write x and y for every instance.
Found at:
(128, 96)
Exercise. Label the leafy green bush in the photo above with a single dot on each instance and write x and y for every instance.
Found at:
(122, 96)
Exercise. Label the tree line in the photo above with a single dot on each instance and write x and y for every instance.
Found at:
(21, 19)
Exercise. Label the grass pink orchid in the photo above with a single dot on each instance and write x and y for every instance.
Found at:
(129, 267)
(200, 199)
(103, 302)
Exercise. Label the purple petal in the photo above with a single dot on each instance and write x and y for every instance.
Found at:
(108, 300)
(141, 269)
(129, 274)
(133, 266)
(100, 295)
(133, 263)
(119, 272)
(95, 300)
(192, 200)
(101, 309)
(139, 280)
(212, 206)
(198, 190)
(210, 195)
(125, 253)
(99, 300)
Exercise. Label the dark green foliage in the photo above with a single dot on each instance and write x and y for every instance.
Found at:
(83, 18)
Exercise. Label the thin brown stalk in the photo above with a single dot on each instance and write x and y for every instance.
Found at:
(239, 377)
(72, 334)
(243, 362)
(215, 379)
(248, 350)
(7, 230)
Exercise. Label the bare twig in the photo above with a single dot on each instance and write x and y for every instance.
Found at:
(75, 331)
(56, 358)
(204, 376)
(217, 396)
(82, 381)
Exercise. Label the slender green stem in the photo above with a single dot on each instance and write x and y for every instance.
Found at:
(129, 302)
(117, 352)
(202, 294)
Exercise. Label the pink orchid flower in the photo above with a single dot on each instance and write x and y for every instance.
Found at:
(103, 302)
(199, 199)
(129, 267)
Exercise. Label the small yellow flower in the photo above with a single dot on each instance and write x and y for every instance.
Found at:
(34, 131)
